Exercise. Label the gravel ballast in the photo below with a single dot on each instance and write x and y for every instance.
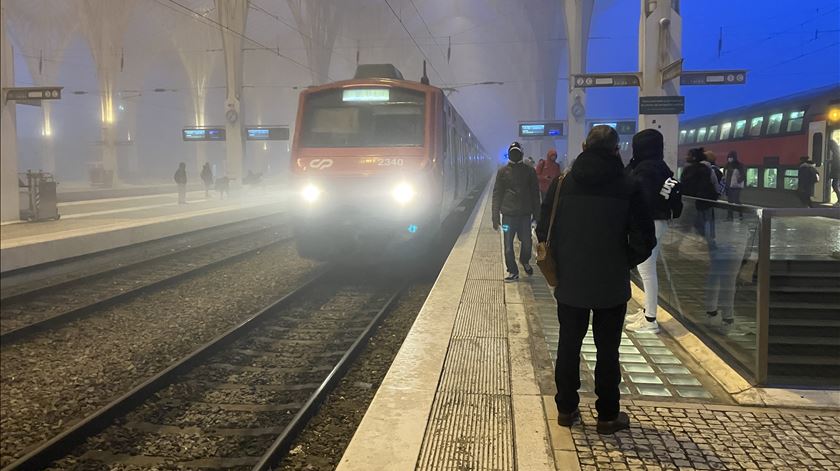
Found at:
(58, 377)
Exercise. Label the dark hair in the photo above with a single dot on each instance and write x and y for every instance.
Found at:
(804, 158)
(732, 155)
(697, 154)
(602, 137)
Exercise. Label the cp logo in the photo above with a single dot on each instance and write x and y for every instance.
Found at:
(320, 164)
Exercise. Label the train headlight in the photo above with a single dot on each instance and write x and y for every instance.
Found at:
(310, 193)
(403, 193)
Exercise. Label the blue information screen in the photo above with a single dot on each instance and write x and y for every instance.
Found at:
(203, 134)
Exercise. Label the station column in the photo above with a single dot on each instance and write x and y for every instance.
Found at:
(660, 45)
(578, 16)
(9, 196)
(233, 15)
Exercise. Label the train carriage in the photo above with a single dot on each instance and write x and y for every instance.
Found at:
(378, 163)
(770, 138)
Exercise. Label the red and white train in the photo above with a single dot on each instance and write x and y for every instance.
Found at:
(378, 163)
(770, 138)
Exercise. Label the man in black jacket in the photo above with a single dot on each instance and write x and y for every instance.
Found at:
(603, 229)
(516, 196)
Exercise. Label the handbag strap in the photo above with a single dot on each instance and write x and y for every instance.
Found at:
(554, 206)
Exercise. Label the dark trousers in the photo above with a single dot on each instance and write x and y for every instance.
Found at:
(517, 226)
(606, 327)
(733, 195)
(805, 197)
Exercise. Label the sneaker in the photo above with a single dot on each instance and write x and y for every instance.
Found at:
(631, 318)
(712, 318)
(512, 277)
(609, 427)
(528, 269)
(726, 325)
(643, 325)
(568, 419)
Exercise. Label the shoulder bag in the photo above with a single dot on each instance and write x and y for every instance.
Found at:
(545, 262)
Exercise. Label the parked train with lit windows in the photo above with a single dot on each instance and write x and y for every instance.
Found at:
(770, 138)
(378, 163)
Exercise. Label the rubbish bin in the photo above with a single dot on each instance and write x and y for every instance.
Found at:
(42, 194)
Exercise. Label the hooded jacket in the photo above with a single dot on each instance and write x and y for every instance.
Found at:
(808, 177)
(699, 181)
(649, 170)
(603, 228)
(547, 171)
(516, 192)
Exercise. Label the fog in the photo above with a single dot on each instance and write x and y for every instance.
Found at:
(136, 72)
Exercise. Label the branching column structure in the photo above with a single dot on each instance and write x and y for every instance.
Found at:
(9, 197)
(577, 16)
(195, 40)
(542, 15)
(42, 30)
(318, 22)
(104, 23)
(233, 15)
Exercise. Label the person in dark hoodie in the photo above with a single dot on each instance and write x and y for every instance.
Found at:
(808, 177)
(699, 180)
(661, 193)
(181, 180)
(516, 196)
(733, 179)
(603, 228)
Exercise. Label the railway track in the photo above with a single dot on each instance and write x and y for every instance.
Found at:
(47, 307)
(238, 401)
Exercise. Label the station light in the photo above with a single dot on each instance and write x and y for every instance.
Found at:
(834, 114)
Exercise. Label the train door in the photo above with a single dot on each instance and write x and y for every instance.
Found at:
(817, 150)
(833, 156)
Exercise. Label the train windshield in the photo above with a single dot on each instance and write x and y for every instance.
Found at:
(364, 117)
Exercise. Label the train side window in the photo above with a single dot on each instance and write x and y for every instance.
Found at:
(755, 125)
(690, 139)
(701, 135)
(770, 178)
(712, 136)
(752, 177)
(682, 136)
(791, 179)
(740, 126)
(795, 121)
(774, 125)
(725, 129)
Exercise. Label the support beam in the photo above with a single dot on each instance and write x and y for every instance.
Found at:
(9, 195)
(578, 17)
(233, 15)
(660, 45)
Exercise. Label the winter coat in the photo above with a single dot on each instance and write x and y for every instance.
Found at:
(181, 176)
(207, 175)
(698, 180)
(547, 172)
(735, 175)
(516, 192)
(603, 228)
(808, 177)
(651, 174)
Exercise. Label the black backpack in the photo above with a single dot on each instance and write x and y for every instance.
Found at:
(672, 192)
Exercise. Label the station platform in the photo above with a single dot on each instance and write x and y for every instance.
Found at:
(472, 388)
(95, 225)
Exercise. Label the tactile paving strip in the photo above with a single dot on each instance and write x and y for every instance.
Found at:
(484, 292)
(486, 266)
(480, 320)
(478, 365)
(468, 432)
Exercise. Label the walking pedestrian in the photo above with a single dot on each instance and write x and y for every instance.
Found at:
(181, 180)
(516, 196)
(662, 196)
(207, 178)
(699, 180)
(734, 178)
(547, 171)
(834, 169)
(602, 229)
(808, 177)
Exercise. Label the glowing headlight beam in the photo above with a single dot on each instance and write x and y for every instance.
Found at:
(311, 193)
(403, 193)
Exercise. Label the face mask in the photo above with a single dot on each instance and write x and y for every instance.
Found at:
(515, 158)
(731, 160)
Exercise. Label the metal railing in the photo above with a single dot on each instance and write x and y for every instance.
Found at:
(748, 243)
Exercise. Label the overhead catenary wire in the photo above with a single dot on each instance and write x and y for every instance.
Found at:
(431, 64)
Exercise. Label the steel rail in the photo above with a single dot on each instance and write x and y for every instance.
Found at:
(61, 318)
(62, 443)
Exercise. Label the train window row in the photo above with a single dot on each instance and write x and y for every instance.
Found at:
(768, 177)
(738, 129)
